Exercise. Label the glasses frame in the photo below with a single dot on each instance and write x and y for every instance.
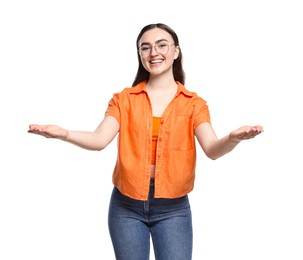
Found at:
(153, 46)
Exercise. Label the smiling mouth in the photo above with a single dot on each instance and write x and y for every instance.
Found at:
(155, 61)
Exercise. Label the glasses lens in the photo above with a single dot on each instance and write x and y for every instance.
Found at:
(144, 50)
(162, 47)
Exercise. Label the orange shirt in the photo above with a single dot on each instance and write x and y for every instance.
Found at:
(176, 150)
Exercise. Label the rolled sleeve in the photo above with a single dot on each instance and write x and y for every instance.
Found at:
(201, 113)
(113, 108)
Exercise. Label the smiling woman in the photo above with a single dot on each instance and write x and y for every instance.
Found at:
(155, 172)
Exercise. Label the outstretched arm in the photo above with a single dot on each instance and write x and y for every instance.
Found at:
(96, 140)
(214, 147)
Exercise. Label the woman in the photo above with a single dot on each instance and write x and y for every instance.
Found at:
(157, 120)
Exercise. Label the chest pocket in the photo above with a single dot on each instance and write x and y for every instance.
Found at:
(181, 133)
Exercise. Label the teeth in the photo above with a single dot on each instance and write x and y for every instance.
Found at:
(156, 61)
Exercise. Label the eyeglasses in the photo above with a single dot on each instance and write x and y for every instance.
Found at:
(160, 47)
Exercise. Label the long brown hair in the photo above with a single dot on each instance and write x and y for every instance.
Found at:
(178, 72)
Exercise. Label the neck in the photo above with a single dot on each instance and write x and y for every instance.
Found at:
(161, 83)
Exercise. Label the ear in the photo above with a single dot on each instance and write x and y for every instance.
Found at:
(177, 51)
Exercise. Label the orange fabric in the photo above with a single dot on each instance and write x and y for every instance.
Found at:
(156, 125)
(176, 151)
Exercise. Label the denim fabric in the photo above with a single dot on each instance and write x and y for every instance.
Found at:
(168, 222)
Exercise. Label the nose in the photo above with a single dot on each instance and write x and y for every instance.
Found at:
(154, 50)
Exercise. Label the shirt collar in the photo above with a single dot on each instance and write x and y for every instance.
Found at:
(141, 87)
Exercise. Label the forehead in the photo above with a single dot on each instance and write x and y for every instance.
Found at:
(154, 35)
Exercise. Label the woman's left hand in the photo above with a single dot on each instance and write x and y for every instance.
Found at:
(245, 132)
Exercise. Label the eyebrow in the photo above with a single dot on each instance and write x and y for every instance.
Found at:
(148, 43)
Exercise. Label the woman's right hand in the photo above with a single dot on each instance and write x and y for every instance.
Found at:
(49, 131)
(96, 140)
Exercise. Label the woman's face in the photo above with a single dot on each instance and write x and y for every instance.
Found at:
(157, 51)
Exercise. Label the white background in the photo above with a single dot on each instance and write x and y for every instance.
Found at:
(60, 63)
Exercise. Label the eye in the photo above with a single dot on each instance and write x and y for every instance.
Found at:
(162, 45)
(145, 48)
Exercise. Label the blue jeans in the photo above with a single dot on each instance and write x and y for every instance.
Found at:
(168, 222)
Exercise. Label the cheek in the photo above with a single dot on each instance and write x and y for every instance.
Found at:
(144, 63)
(171, 59)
